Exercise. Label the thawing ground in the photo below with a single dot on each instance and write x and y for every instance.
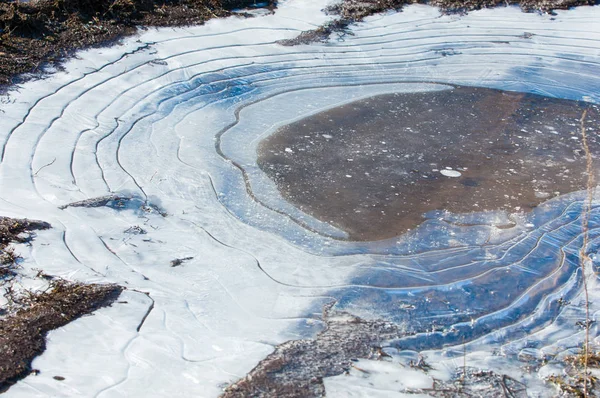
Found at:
(170, 121)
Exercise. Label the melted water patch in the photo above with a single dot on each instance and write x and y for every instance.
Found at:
(374, 167)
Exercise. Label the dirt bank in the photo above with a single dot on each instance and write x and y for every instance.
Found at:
(41, 32)
(23, 334)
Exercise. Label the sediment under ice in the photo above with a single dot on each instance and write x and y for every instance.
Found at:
(171, 120)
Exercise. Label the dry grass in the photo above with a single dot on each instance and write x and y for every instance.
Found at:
(22, 334)
(577, 380)
(18, 230)
(577, 383)
(297, 368)
(351, 11)
(41, 32)
(32, 314)
(8, 262)
(583, 256)
(14, 230)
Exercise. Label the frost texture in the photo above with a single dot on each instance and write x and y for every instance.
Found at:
(172, 119)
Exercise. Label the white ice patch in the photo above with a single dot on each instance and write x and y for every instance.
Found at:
(450, 173)
(368, 378)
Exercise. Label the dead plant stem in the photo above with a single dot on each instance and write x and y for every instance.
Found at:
(464, 373)
(583, 257)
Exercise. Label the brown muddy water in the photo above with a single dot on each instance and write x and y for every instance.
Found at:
(375, 166)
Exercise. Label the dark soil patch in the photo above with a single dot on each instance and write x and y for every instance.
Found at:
(297, 368)
(11, 229)
(32, 315)
(22, 335)
(15, 230)
(119, 202)
(375, 166)
(352, 11)
(40, 32)
(179, 261)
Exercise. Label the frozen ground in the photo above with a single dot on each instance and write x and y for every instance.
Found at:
(171, 120)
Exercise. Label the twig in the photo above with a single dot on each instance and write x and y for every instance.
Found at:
(464, 374)
(507, 392)
(44, 166)
(150, 308)
(583, 257)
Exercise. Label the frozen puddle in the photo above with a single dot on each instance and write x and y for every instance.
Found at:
(156, 163)
(375, 166)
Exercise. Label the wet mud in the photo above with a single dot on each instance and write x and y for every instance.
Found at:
(375, 167)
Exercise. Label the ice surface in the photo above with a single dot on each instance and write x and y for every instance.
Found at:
(377, 379)
(170, 120)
